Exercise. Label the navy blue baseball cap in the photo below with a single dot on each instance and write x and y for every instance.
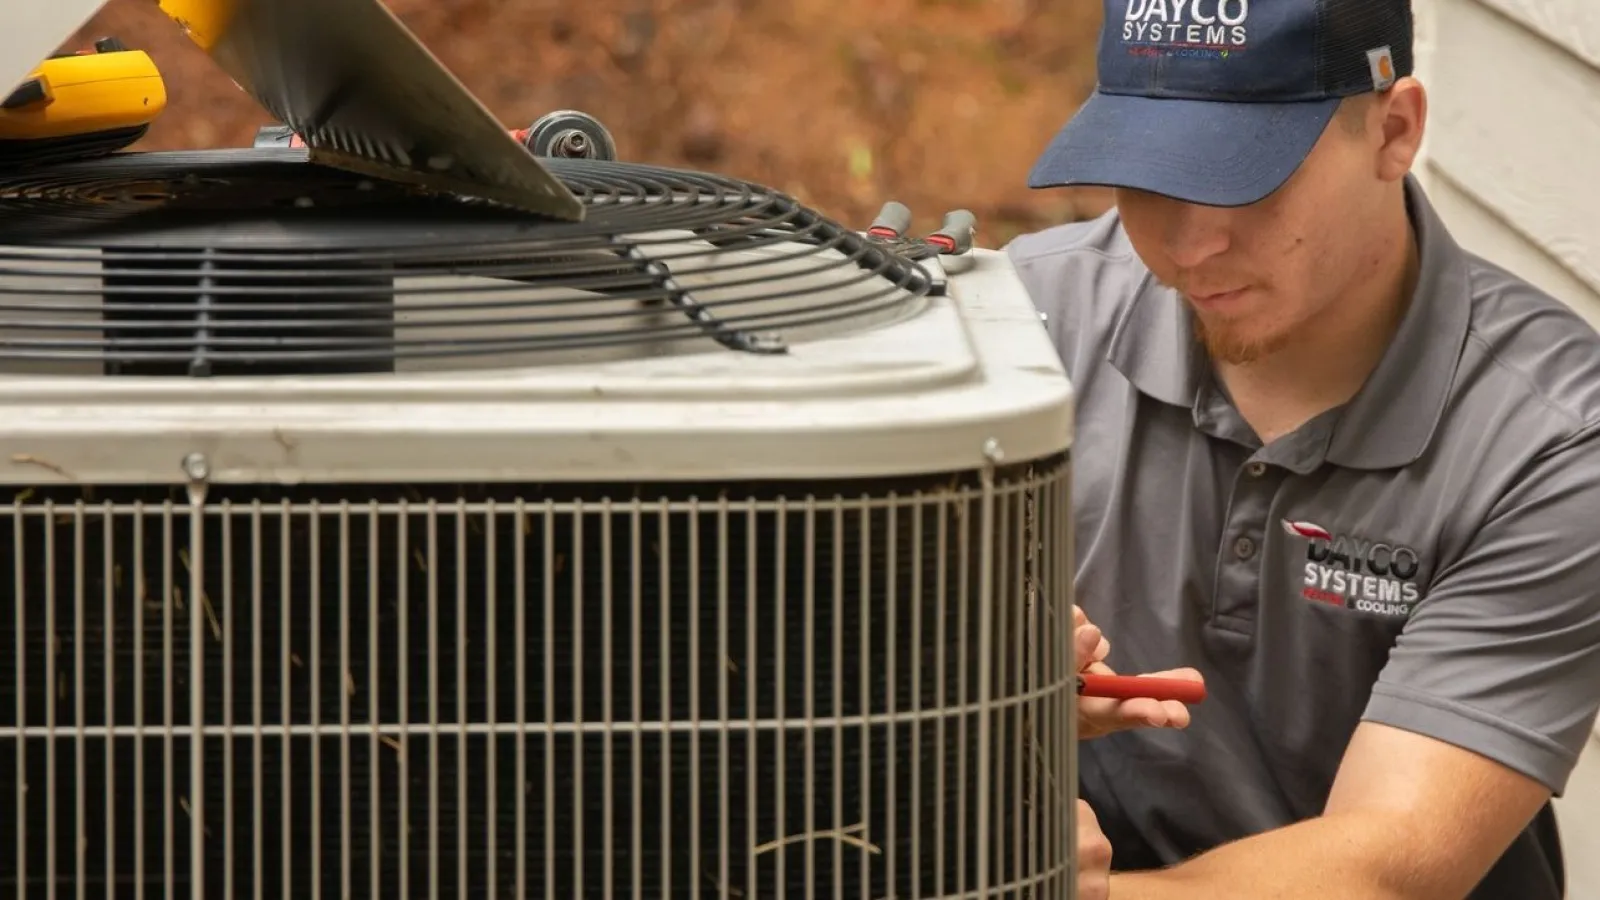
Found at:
(1218, 102)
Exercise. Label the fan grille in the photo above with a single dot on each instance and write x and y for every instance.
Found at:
(511, 692)
(258, 262)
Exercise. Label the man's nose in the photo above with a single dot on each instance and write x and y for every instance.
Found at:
(1196, 233)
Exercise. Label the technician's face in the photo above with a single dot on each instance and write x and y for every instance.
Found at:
(1256, 275)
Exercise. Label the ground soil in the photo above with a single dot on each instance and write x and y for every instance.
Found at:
(843, 103)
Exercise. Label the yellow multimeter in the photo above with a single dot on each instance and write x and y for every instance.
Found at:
(82, 104)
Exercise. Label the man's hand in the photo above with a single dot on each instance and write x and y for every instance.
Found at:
(1094, 857)
(1099, 716)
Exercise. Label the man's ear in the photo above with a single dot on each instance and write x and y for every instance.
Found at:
(1402, 119)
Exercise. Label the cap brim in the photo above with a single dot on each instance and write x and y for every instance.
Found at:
(1198, 151)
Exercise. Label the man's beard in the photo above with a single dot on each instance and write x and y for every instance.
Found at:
(1227, 345)
(1230, 345)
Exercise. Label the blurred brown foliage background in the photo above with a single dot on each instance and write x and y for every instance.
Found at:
(842, 103)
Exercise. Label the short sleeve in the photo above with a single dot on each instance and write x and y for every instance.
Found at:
(1048, 279)
(1079, 276)
(1502, 657)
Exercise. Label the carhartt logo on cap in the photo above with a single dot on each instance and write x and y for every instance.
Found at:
(1381, 62)
(1195, 28)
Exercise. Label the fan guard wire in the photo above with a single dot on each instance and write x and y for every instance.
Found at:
(224, 262)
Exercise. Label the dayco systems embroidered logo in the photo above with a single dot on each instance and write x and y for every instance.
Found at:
(1368, 576)
(1207, 28)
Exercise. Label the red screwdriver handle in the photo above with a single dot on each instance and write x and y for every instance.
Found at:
(1128, 687)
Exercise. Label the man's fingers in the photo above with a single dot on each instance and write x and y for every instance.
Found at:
(1094, 855)
(1101, 715)
(1184, 674)
(1104, 715)
(1161, 713)
(1089, 643)
(1094, 851)
(1154, 713)
(1089, 646)
(1098, 668)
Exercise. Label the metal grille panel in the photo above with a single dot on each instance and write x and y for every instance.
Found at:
(736, 691)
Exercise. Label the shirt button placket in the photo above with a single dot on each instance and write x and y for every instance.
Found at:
(1239, 564)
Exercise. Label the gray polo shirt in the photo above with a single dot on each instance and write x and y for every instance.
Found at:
(1427, 556)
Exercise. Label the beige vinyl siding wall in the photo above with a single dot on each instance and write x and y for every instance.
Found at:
(1512, 161)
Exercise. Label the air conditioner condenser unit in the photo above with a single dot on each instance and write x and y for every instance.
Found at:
(368, 543)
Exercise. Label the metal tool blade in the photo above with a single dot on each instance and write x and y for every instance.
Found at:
(367, 96)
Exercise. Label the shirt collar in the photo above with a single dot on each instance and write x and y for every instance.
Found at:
(1391, 420)
(1155, 347)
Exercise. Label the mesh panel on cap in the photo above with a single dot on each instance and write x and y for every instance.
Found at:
(1347, 29)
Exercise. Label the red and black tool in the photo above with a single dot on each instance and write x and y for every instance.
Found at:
(893, 221)
(1131, 687)
(954, 237)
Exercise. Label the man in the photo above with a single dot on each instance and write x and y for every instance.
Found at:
(1346, 471)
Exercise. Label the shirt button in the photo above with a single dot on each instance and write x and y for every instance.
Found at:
(1244, 548)
(1256, 469)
